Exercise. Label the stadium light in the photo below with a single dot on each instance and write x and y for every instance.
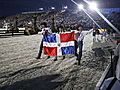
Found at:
(62, 11)
(52, 8)
(80, 6)
(103, 17)
(93, 6)
(41, 9)
(65, 7)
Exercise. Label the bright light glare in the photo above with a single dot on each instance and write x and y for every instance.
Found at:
(62, 11)
(65, 7)
(52, 8)
(93, 6)
(41, 9)
(80, 6)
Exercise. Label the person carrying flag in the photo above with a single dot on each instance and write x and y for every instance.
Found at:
(79, 37)
(45, 31)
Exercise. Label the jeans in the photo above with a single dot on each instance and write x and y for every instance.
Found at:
(76, 46)
(40, 50)
(80, 46)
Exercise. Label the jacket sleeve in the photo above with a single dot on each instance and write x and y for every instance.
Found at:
(88, 32)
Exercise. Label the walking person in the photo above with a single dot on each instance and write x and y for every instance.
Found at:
(45, 31)
(79, 37)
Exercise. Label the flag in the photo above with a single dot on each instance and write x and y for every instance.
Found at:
(59, 44)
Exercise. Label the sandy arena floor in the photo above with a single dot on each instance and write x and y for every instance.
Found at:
(20, 70)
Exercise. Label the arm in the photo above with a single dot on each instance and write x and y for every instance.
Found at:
(88, 32)
(76, 35)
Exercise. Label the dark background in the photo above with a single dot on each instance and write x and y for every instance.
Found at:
(11, 7)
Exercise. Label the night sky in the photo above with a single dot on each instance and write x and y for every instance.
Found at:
(11, 7)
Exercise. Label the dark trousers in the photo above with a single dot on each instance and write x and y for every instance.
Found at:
(78, 45)
(40, 50)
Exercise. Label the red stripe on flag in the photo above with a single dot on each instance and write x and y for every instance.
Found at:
(50, 51)
(66, 37)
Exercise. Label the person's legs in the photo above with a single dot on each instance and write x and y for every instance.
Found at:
(80, 45)
(48, 57)
(40, 50)
(76, 46)
(63, 58)
(93, 38)
(55, 58)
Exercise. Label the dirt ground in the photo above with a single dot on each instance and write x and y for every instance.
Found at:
(20, 70)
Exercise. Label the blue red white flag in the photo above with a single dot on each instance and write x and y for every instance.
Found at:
(59, 44)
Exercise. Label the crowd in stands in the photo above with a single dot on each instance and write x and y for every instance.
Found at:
(67, 18)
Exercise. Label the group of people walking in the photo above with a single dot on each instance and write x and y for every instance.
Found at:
(79, 38)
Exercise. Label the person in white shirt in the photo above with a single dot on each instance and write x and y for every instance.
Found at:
(45, 31)
(79, 37)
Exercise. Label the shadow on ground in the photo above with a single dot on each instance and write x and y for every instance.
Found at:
(46, 82)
